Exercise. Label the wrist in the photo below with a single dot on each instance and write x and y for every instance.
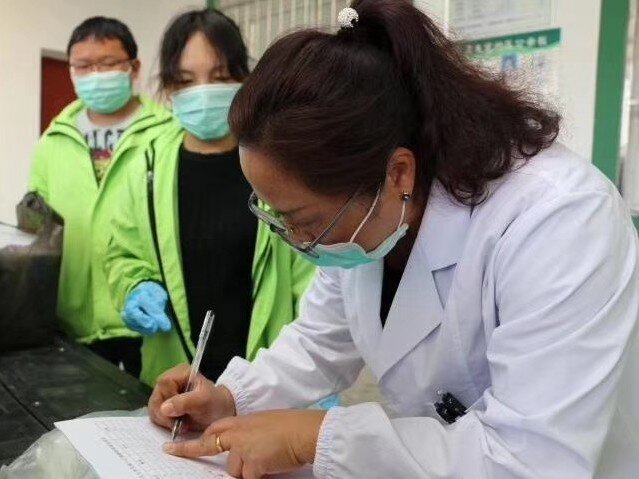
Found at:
(308, 444)
(229, 401)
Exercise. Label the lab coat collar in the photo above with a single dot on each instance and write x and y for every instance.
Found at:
(442, 233)
(416, 310)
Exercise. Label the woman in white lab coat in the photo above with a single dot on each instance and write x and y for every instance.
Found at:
(485, 274)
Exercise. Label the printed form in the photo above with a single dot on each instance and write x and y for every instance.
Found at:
(131, 448)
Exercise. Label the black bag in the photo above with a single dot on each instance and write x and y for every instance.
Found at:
(30, 257)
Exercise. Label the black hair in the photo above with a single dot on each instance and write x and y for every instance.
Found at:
(222, 33)
(332, 108)
(102, 28)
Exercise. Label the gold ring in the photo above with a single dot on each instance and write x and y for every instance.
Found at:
(218, 445)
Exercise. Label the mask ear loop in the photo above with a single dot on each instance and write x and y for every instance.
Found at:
(405, 199)
(135, 87)
(401, 219)
(368, 215)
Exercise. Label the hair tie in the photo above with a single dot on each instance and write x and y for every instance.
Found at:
(347, 18)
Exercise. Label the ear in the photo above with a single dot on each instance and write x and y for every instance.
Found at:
(401, 172)
(135, 69)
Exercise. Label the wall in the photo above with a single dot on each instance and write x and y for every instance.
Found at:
(579, 22)
(29, 26)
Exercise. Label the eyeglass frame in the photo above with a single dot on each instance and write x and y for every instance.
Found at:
(278, 227)
(91, 67)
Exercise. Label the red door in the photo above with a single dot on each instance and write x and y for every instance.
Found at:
(56, 90)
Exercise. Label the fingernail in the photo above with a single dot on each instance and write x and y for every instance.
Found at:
(167, 447)
(168, 409)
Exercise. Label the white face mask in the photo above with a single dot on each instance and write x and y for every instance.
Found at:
(104, 92)
(350, 255)
(203, 110)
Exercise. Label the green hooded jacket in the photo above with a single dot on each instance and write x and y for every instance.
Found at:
(63, 174)
(143, 231)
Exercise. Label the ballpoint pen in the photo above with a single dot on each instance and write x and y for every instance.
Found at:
(195, 365)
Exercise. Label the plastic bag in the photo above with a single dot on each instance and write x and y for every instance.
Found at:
(30, 257)
(54, 457)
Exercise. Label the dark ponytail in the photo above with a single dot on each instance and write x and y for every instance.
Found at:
(332, 108)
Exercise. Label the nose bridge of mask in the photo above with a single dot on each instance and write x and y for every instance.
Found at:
(104, 79)
(205, 97)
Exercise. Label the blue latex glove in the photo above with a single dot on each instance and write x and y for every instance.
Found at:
(144, 309)
(329, 402)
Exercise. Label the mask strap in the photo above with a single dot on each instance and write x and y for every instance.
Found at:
(401, 219)
(368, 215)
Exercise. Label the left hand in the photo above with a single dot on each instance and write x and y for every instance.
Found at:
(259, 444)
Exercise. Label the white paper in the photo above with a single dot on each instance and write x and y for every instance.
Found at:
(12, 236)
(131, 448)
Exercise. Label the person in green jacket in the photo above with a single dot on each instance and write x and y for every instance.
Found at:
(183, 240)
(79, 168)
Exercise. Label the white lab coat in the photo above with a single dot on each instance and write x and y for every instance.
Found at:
(524, 308)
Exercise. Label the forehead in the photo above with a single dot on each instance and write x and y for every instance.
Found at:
(278, 187)
(91, 48)
(199, 54)
(264, 174)
(267, 178)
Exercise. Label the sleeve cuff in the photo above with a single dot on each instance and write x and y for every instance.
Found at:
(231, 378)
(322, 465)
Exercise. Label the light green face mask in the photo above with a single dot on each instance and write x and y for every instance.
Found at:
(104, 92)
(203, 110)
(350, 255)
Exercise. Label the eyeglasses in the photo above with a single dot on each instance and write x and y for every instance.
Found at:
(103, 66)
(287, 233)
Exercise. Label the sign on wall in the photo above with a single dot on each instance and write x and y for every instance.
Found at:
(525, 59)
(471, 19)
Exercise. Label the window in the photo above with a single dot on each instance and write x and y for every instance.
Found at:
(263, 21)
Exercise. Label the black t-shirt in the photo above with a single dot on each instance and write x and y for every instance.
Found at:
(217, 238)
(390, 283)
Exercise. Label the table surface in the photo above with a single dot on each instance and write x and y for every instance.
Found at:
(65, 380)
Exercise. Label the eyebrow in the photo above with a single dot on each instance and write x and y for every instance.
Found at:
(292, 211)
(217, 68)
(287, 212)
(100, 59)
